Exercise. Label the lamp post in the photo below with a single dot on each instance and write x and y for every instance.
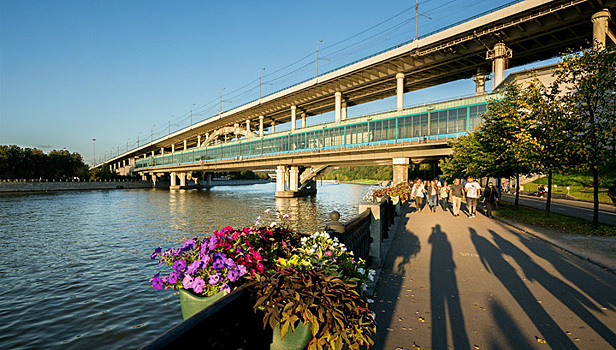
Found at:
(220, 102)
(94, 151)
(317, 61)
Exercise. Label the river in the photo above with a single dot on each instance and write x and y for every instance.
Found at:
(74, 266)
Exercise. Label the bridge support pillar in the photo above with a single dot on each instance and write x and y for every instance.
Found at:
(173, 178)
(500, 56)
(182, 179)
(162, 151)
(273, 127)
(248, 125)
(401, 170)
(280, 177)
(480, 82)
(185, 145)
(153, 180)
(343, 112)
(208, 179)
(294, 178)
(172, 148)
(144, 177)
(293, 117)
(198, 140)
(600, 28)
(261, 125)
(338, 96)
(399, 91)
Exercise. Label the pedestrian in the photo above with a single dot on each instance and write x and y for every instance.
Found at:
(418, 193)
(611, 192)
(432, 190)
(456, 192)
(473, 190)
(490, 196)
(444, 193)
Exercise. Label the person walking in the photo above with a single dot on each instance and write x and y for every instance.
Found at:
(456, 192)
(490, 196)
(444, 194)
(473, 191)
(432, 190)
(418, 194)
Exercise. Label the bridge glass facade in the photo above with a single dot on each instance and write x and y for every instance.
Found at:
(434, 122)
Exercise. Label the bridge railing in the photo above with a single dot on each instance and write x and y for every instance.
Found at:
(357, 237)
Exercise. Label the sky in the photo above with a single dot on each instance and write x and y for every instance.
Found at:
(121, 71)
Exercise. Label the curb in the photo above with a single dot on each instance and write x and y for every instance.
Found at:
(556, 244)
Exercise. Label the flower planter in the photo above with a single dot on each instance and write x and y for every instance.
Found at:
(192, 303)
(395, 200)
(292, 340)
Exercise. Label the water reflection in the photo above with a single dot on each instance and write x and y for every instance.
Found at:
(78, 267)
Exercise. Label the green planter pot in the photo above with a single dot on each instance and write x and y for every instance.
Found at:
(292, 340)
(191, 303)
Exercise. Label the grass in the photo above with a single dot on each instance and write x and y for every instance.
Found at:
(558, 222)
(577, 191)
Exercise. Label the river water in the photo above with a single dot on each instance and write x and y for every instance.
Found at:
(74, 266)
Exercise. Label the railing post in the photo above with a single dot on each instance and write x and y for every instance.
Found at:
(376, 233)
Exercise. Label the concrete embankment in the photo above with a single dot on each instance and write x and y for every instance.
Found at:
(51, 186)
(216, 183)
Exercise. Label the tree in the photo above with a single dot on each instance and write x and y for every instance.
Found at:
(587, 80)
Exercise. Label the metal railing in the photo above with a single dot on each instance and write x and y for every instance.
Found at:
(357, 235)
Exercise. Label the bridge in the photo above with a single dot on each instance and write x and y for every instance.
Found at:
(517, 34)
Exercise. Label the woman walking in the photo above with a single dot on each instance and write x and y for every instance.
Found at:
(432, 191)
(444, 194)
(418, 193)
(490, 196)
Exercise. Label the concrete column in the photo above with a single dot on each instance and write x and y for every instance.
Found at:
(399, 91)
(248, 125)
(401, 170)
(293, 117)
(144, 177)
(124, 163)
(185, 145)
(173, 178)
(280, 177)
(182, 179)
(153, 153)
(154, 179)
(273, 127)
(338, 96)
(376, 235)
(303, 120)
(500, 56)
(198, 140)
(294, 178)
(209, 180)
(480, 82)
(162, 151)
(172, 148)
(343, 114)
(261, 125)
(600, 28)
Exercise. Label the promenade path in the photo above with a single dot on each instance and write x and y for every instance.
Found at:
(459, 283)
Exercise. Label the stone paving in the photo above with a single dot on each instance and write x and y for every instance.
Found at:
(477, 283)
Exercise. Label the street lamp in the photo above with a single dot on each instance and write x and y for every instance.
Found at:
(94, 151)
(317, 60)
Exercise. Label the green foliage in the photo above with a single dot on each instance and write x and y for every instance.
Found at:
(348, 174)
(336, 311)
(28, 163)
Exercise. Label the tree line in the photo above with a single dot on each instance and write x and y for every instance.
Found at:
(34, 164)
(566, 126)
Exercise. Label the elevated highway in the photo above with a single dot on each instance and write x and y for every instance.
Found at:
(521, 33)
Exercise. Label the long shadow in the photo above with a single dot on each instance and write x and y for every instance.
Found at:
(493, 260)
(444, 295)
(586, 277)
(510, 330)
(567, 295)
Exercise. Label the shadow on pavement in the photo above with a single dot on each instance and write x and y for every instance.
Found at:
(444, 295)
(493, 259)
(568, 296)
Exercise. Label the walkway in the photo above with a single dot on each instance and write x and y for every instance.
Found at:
(479, 284)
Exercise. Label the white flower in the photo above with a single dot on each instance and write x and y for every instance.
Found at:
(371, 277)
(285, 216)
(361, 270)
(311, 251)
(273, 224)
(266, 211)
(364, 288)
(373, 315)
(370, 301)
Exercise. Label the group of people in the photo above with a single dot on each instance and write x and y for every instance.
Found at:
(434, 192)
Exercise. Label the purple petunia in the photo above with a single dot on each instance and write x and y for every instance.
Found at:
(193, 267)
(204, 261)
(198, 284)
(215, 278)
(241, 269)
(233, 275)
(173, 277)
(187, 282)
(188, 244)
(225, 287)
(179, 265)
(212, 243)
(156, 253)
(157, 283)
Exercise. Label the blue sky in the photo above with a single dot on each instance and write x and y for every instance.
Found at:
(116, 71)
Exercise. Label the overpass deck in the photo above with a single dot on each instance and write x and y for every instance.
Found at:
(428, 123)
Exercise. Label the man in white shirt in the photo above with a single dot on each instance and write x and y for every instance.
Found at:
(473, 191)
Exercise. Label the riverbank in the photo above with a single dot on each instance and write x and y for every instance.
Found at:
(57, 186)
(240, 182)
